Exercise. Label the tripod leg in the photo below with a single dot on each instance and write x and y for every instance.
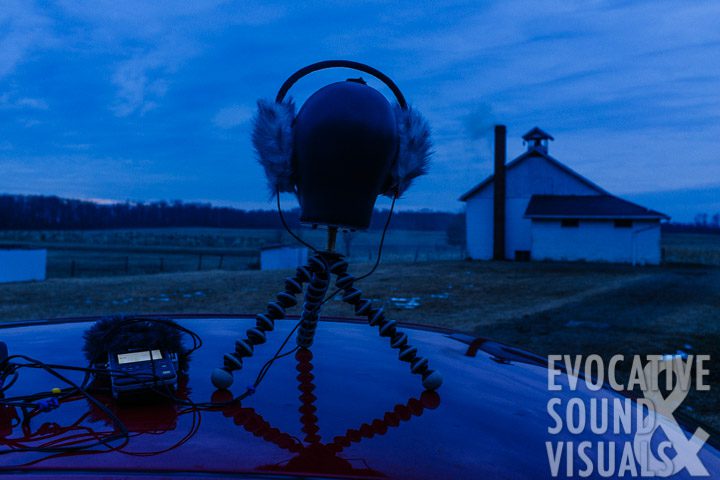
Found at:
(431, 379)
(264, 322)
(314, 296)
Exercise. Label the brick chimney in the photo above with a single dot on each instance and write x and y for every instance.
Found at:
(499, 193)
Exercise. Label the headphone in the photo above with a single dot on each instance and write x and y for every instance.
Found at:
(275, 133)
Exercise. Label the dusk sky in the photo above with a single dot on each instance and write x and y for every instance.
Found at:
(139, 100)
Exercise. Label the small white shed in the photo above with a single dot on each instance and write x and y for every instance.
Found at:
(282, 257)
(538, 208)
(593, 228)
(19, 264)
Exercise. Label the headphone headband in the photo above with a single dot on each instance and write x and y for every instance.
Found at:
(341, 64)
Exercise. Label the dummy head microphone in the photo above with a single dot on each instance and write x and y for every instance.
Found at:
(345, 146)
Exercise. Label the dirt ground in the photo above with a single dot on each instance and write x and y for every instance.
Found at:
(547, 308)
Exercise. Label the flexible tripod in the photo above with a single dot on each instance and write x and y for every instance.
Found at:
(317, 276)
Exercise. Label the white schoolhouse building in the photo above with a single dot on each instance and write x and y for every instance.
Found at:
(536, 208)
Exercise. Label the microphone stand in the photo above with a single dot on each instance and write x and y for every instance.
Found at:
(317, 275)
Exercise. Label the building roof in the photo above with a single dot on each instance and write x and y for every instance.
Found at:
(517, 161)
(537, 134)
(588, 206)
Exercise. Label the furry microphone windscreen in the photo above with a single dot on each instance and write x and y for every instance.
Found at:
(414, 150)
(272, 138)
(120, 334)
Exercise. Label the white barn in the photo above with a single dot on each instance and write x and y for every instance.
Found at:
(543, 210)
(19, 264)
(282, 257)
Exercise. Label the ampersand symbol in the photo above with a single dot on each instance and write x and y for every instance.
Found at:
(687, 449)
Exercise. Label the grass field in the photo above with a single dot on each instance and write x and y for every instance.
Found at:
(547, 308)
(692, 248)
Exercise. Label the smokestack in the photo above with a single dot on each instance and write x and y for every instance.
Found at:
(499, 194)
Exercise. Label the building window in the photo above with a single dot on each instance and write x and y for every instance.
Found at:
(569, 223)
(623, 223)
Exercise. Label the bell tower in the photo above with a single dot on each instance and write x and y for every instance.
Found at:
(537, 140)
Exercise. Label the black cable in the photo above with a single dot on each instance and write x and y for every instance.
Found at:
(377, 258)
(194, 428)
(73, 442)
(123, 435)
(166, 392)
(287, 227)
(75, 438)
(5, 386)
(382, 241)
(266, 367)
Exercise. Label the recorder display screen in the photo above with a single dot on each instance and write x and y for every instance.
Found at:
(134, 357)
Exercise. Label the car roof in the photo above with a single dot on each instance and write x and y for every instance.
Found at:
(488, 420)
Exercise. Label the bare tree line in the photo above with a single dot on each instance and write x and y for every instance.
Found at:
(37, 212)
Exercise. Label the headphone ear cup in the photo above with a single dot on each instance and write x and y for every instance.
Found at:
(414, 146)
(272, 138)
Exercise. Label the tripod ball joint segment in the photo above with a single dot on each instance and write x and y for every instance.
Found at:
(222, 378)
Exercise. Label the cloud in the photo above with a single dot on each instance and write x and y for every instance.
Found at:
(233, 116)
(23, 30)
(480, 121)
(8, 100)
(76, 176)
(32, 103)
(142, 79)
(154, 40)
